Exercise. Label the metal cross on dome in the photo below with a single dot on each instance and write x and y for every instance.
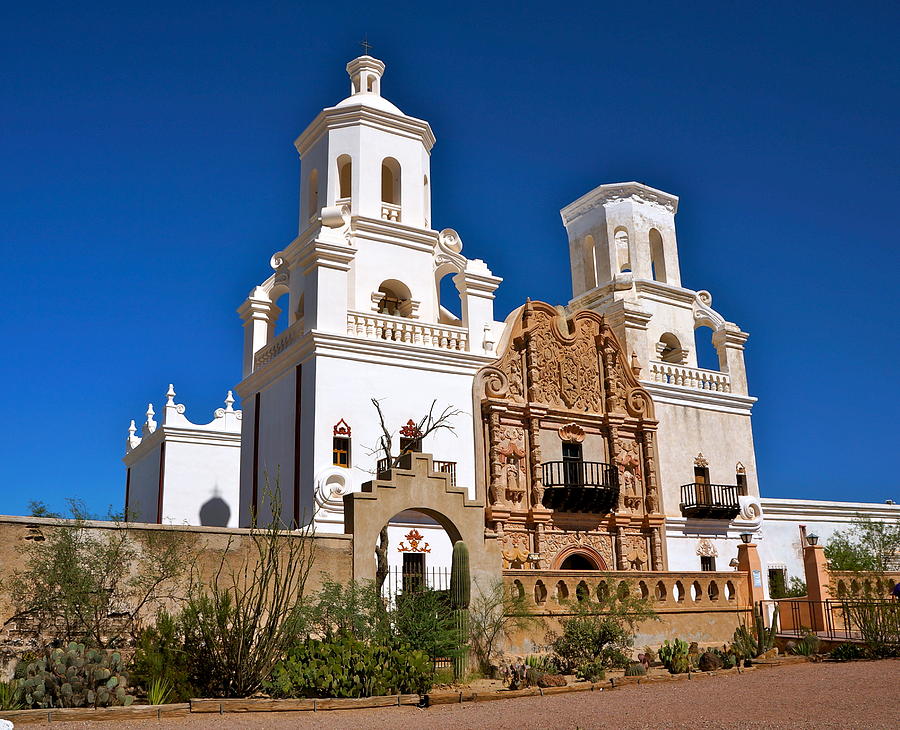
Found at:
(366, 45)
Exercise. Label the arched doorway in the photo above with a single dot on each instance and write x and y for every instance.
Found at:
(413, 552)
(578, 561)
(579, 557)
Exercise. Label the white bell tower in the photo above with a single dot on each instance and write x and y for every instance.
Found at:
(366, 154)
(361, 282)
(624, 259)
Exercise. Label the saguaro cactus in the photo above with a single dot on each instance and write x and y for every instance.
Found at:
(460, 592)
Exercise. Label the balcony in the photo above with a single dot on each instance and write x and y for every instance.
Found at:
(710, 501)
(694, 378)
(410, 331)
(580, 486)
(444, 467)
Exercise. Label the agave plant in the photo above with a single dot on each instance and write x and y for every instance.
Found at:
(159, 692)
(11, 696)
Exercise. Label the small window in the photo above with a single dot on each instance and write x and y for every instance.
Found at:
(340, 445)
(340, 451)
(707, 562)
(741, 484)
(777, 582)
(413, 572)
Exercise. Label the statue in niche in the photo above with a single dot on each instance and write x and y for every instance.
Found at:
(511, 481)
(628, 461)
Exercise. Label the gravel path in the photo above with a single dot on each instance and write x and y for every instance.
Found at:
(854, 695)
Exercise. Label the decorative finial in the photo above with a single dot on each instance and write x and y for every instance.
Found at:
(170, 395)
(149, 424)
(635, 365)
(366, 46)
(229, 402)
(132, 429)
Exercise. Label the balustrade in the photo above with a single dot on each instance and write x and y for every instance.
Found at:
(549, 590)
(390, 212)
(410, 331)
(697, 378)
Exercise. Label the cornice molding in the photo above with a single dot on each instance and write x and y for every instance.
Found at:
(710, 400)
(367, 116)
(378, 352)
(617, 193)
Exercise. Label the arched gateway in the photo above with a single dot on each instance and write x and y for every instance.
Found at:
(415, 485)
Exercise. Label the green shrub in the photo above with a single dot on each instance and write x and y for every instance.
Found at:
(591, 672)
(602, 631)
(159, 692)
(635, 670)
(807, 646)
(674, 657)
(160, 656)
(847, 652)
(346, 667)
(75, 677)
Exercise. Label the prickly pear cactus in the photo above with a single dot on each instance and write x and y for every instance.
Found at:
(76, 677)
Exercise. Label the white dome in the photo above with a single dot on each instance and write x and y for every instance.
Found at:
(371, 100)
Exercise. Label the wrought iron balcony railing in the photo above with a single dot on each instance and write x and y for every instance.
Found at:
(711, 501)
(580, 486)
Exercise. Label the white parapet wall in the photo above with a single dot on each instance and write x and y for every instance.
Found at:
(180, 472)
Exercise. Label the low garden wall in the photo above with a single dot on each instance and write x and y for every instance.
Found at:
(705, 607)
(206, 545)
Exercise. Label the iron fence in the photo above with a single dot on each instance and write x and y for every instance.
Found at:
(401, 581)
(843, 619)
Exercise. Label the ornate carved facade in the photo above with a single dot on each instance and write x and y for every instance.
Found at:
(567, 447)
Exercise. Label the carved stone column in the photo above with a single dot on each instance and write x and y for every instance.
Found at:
(539, 544)
(534, 443)
(614, 450)
(495, 488)
(620, 549)
(653, 501)
(656, 548)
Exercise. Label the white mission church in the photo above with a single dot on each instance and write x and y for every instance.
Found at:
(605, 446)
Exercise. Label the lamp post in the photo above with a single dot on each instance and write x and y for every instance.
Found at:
(812, 539)
(746, 537)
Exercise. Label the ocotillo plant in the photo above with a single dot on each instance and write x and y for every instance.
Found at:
(460, 591)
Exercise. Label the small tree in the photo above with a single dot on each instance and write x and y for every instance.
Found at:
(865, 546)
(495, 611)
(94, 583)
(240, 625)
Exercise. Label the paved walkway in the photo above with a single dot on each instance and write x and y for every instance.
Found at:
(852, 695)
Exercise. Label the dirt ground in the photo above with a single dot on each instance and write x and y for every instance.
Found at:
(853, 695)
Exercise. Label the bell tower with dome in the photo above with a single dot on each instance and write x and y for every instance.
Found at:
(366, 320)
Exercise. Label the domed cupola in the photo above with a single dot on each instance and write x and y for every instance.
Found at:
(366, 154)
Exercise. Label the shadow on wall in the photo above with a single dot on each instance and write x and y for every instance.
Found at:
(215, 513)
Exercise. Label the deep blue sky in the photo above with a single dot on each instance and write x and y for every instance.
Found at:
(147, 173)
